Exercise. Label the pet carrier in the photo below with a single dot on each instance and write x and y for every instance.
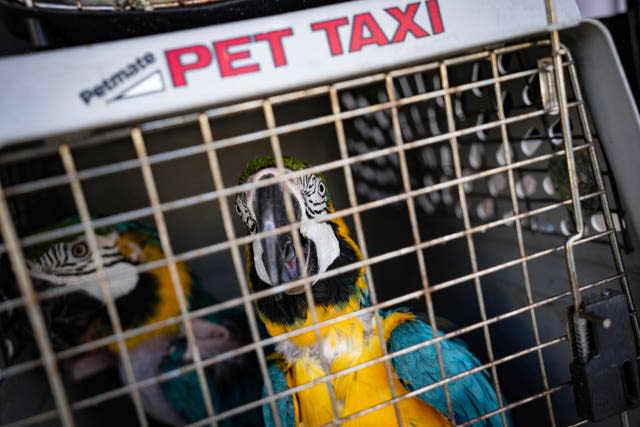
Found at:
(482, 154)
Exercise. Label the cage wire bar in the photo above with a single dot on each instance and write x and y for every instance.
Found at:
(207, 137)
(100, 171)
(144, 161)
(163, 233)
(96, 172)
(83, 211)
(353, 202)
(294, 232)
(518, 225)
(113, 220)
(615, 247)
(404, 172)
(34, 312)
(469, 237)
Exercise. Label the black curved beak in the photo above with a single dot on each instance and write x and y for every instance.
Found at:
(278, 256)
(41, 284)
(66, 316)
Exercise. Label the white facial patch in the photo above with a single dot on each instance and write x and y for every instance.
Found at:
(71, 264)
(121, 277)
(257, 261)
(325, 240)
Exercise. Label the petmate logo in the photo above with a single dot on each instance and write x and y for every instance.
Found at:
(133, 79)
(209, 64)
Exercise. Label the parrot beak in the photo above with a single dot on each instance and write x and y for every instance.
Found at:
(41, 284)
(66, 316)
(278, 256)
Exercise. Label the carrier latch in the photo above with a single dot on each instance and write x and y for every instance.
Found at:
(604, 372)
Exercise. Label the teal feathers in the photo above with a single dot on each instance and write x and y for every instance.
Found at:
(284, 405)
(231, 383)
(471, 396)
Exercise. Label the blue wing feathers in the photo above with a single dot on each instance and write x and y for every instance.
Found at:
(284, 405)
(471, 396)
(183, 392)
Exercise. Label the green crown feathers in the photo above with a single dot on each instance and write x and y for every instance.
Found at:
(290, 163)
(263, 162)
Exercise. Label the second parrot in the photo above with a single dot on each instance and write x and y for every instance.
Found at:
(144, 298)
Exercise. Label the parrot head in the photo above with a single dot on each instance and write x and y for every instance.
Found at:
(140, 297)
(70, 262)
(325, 245)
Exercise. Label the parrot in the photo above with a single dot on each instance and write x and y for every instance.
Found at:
(142, 299)
(327, 245)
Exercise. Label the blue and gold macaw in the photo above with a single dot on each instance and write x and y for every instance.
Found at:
(327, 245)
(142, 299)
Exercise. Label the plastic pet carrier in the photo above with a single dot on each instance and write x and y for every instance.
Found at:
(482, 154)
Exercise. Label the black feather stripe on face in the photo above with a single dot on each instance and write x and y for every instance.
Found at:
(335, 290)
(60, 261)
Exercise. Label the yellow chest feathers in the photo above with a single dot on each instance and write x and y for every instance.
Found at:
(351, 343)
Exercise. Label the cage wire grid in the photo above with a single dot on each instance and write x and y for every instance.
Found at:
(113, 6)
(408, 195)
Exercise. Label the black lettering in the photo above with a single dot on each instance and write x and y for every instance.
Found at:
(131, 70)
(118, 78)
(86, 96)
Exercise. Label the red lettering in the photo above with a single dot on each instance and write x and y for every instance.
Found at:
(331, 30)
(226, 58)
(406, 23)
(178, 69)
(274, 38)
(434, 15)
(361, 21)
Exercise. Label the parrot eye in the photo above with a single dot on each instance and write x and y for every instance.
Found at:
(321, 188)
(79, 250)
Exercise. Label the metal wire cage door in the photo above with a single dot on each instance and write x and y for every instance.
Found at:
(475, 187)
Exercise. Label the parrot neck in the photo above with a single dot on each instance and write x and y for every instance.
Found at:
(153, 299)
(342, 339)
(333, 295)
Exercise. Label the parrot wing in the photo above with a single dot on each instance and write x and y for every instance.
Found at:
(285, 405)
(231, 384)
(471, 396)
